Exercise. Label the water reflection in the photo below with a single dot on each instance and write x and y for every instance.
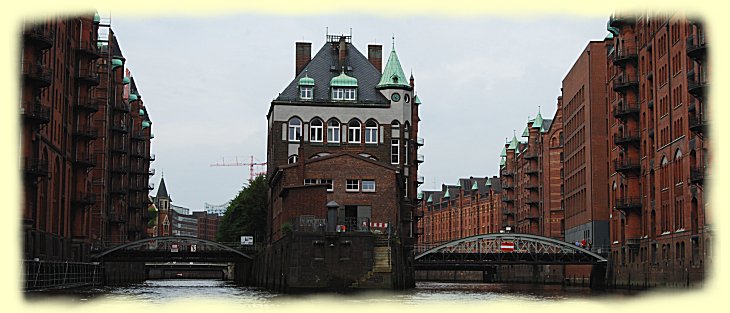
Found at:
(170, 291)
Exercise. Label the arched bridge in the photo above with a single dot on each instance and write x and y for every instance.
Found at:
(478, 252)
(172, 248)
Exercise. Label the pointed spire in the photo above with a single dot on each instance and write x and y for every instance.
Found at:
(474, 186)
(489, 182)
(162, 190)
(514, 143)
(393, 76)
(538, 119)
(430, 199)
(446, 195)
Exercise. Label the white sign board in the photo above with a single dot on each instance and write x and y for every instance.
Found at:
(173, 248)
(247, 240)
(193, 248)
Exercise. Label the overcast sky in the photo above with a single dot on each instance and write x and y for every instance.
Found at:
(207, 83)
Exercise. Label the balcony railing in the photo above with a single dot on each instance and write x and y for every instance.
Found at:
(35, 167)
(532, 200)
(38, 74)
(506, 185)
(696, 84)
(151, 158)
(86, 132)
(625, 54)
(696, 47)
(85, 160)
(628, 203)
(532, 170)
(36, 112)
(90, 104)
(530, 155)
(625, 81)
(151, 186)
(507, 198)
(140, 136)
(119, 148)
(697, 123)
(507, 212)
(621, 20)
(43, 37)
(627, 166)
(151, 172)
(88, 75)
(88, 47)
(419, 158)
(419, 141)
(627, 137)
(696, 174)
(122, 106)
(419, 179)
(119, 128)
(625, 109)
(84, 198)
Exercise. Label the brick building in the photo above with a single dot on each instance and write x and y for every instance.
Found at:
(69, 89)
(342, 154)
(657, 78)
(207, 224)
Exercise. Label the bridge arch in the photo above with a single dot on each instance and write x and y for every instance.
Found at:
(508, 248)
(163, 248)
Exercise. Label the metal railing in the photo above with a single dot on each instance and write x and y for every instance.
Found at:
(35, 167)
(624, 81)
(37, 72)
(34, 110)
(40, 275)
(627, 137)
(623, 203)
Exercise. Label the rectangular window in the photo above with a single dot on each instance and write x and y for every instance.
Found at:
(394, 151)
(305, 93)
(350, 94)
(371, 135)
(352, 185)
(338, 94)
(354, 134)
(329, 184)
(310, 181)
(368, 185)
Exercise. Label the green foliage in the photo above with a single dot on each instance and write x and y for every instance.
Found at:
(246, 214)
(287, 229)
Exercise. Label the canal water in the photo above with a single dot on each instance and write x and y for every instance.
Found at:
(223, 292)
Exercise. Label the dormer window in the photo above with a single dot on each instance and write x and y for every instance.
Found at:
(306, 87)
(343, 87)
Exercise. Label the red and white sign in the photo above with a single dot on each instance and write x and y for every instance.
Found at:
(377, 225)
(173, 248)
(507, 246)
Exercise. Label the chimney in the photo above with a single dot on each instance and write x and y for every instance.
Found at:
(303, 55)
(375, 56)
(343, 52)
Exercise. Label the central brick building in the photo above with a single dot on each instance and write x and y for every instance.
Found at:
(342, 143)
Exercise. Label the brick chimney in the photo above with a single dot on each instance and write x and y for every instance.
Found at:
(342, 52)
(375, 56)
(303, 56)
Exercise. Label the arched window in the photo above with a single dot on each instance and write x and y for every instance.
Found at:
(315, 130)
(353, 131)
(371, 132)
(295, 129)
(292, 159)
(678, 167)
(333, 131)
(665, 178)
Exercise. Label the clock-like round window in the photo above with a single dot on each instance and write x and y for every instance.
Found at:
(395, 97)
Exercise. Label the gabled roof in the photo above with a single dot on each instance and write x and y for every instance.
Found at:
(538, 120)
(393, 76)
(323, 67)
(513, 145)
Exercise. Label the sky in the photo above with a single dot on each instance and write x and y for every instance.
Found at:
(208, 82)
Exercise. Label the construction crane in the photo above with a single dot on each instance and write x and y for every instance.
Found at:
(251, 173)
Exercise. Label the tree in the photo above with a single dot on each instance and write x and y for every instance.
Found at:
(246, 213)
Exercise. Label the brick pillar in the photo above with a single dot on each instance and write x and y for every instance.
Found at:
(303, 56)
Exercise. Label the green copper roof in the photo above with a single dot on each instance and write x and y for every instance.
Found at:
(97, 18)
(504, 152)
(133, 97)
(489, 182)
(141, 112)
(474, 186)
(117, 63)
(502, 162)
(308, 81)
(513, 144)
(342, 81)
(125, 80)
(393, 76)
(420, 195)
(416, 100)
(538, 120)
(526, 132)
(145, 124)
(446, 195)
(429, 199)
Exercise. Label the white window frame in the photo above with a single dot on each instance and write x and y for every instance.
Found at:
(395, 154)
(371, 132)
(349, 183)
(333, 131)
(311, 181)
(368, 189)
(315, 131)
(338, 94)
(354, 133)
(292, 159)
(294, 130)
(350, 93)
(306, 92)
(330, 184)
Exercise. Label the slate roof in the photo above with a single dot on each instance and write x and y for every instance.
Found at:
(162, 190)
(323, 67)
